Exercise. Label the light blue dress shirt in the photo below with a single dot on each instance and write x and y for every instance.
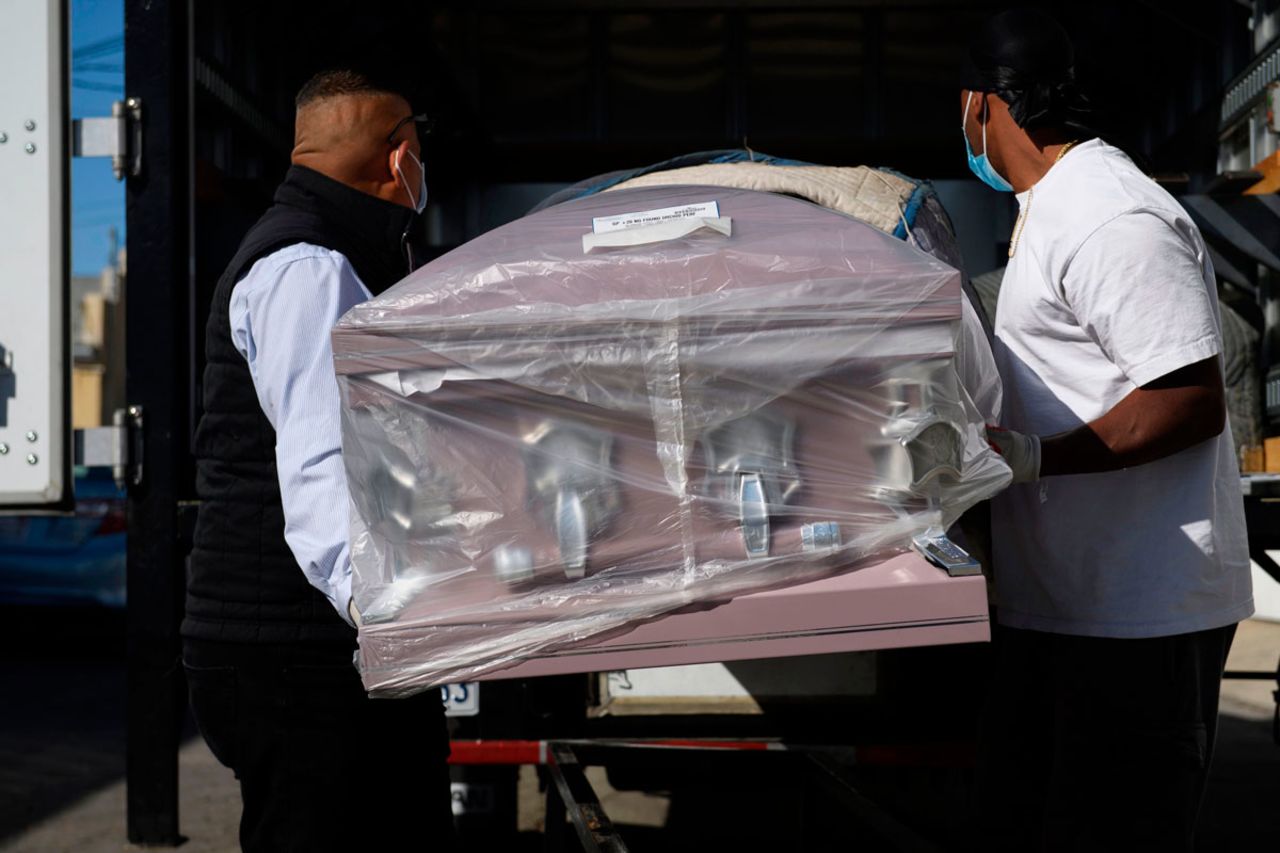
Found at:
(281, 314)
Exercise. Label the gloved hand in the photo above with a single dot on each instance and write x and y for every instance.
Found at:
(353, 613)
(1021, 452)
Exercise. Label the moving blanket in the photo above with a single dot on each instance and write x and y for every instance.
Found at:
(906, 208)
(635, 402)
(877, 198)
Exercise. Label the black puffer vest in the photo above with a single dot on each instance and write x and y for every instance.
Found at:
(243, 583)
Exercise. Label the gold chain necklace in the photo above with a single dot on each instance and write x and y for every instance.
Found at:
(1026, 208)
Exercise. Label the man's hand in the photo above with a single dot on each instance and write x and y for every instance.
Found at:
(1021, 452)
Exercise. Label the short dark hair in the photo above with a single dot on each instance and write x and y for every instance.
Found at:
(343, 81)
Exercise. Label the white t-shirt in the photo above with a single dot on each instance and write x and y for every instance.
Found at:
(1111, 287)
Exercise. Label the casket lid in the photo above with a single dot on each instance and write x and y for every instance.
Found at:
(786, 259)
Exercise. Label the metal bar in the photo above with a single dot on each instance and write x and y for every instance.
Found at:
(102, 447)
(98, 136)
(595, 830)
(1252, 675)
(553, 831)
(956, 754)
(829, 776)
(731, 762)
(498, 752)
(118, 136)
(1264, 561)
(157, 70)
(1208, 212)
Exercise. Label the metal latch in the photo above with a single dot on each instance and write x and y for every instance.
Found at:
(752, 473)
(938, 549)
(571, 533)
(118, 447)
(118, 136)
(753, 514)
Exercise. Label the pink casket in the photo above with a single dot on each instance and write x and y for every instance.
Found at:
(554, 435)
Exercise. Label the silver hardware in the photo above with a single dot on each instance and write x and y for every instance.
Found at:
(4, 137)
(32, 459)
(4, 449)
(29, 124)
(938, 548)
(753, 515)
(100, 447)
(30, 148)
(118, 446)
(921, 442)
(31, 435)
(404, 503)
(750, 470)
(130, 471)
(118, 136)
(571, 533)
(571, 486)
(513, 564)
(759, 443)
(820, 536)
(402, 500)
(916, 451)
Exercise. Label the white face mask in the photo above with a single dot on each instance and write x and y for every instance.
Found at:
(419, 204)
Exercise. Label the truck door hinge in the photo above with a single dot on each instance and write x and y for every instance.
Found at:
(118, 136)
(118, 447)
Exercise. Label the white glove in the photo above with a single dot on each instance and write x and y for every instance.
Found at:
(1021, 452)
(353, 612)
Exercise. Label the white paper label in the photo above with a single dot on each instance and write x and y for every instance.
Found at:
(659, 232)
(619, 221)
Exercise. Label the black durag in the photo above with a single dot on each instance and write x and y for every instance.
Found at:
(1026, 58)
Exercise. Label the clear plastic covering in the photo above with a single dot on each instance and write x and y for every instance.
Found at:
(545, 444)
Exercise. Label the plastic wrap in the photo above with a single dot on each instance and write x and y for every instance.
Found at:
(545, 444)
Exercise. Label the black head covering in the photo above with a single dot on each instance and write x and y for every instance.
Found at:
(1026, 57)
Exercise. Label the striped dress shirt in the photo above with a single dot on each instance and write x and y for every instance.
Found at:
(281, 314)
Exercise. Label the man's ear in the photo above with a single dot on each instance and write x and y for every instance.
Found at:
(396, 159)
(995, 103)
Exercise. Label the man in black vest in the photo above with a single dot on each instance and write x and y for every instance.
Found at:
(270, 628)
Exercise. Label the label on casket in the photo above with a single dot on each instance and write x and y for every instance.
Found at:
(460, 700)
(620, 221)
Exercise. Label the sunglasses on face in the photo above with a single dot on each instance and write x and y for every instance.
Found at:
(423, 122)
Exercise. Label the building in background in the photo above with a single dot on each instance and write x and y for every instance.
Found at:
(97, 343)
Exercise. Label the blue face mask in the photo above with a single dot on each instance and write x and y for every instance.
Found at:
(979, 164)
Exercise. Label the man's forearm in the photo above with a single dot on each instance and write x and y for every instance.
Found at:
(1157, 420)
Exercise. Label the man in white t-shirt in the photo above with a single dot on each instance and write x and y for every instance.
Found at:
(1120, 555)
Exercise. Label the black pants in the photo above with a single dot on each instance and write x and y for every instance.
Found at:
(1097, 744)
(321, 765)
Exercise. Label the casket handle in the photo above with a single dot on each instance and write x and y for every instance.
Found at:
(753, 514)
(571, 532)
